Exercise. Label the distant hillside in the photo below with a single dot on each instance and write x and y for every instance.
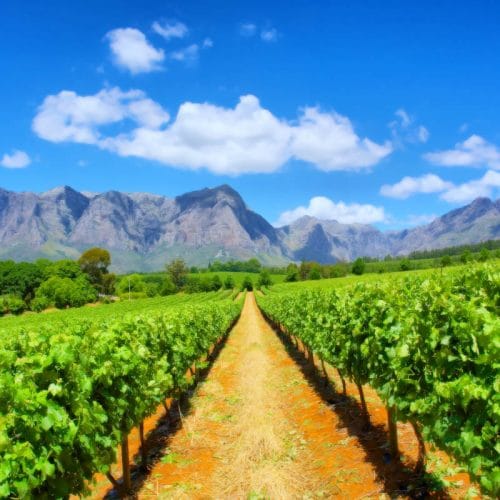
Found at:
(143, 231)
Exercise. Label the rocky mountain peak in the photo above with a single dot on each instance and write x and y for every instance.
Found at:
(143, 231)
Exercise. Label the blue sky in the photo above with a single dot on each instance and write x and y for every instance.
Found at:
(382, 112)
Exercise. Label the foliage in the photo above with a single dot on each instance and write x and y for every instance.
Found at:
(358, 266)
(445, 260)
(11, 304)
(132, 283)
(249, 266)
(264, 279)
(95, 262)
(229, 282)
(64, 292)
(167, 287)
(405, 265)
(292, 273)
(247, 284)
(177, 271)
(430, 347)
(77, 386)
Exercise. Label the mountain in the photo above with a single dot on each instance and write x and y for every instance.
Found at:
(324, 241)
(143, 231)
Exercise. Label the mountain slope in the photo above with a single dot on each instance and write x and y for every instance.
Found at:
(143, 231)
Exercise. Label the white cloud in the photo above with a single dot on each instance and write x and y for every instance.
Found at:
(328, 141)
(245, 139)
(269, 35)
(323, 208)
(408, 186)
(468, 191)
(248, 29)
(18, 159)
(450, 192)
(404, 129)
(473, 152)
(404, 117)
(132, 51)
(69, 117)
(186, 54)
(170, 30)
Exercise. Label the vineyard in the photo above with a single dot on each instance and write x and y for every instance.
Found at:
(430, 347)
(71, 390)
(75, 383)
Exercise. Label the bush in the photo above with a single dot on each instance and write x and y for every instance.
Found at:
(216, 283)
(229, 282)
(315, 274)
(264, 279)
(132, 283)
(63, 292)
(167, 287)
(358, 266)
(11, 304)
(247, 284)
(404, 265)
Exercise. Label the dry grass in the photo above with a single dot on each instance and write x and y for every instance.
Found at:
(259, 453)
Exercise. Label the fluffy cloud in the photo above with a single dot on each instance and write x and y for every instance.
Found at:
(404, 129)
(269, 35)
(132, 51)
(69, 117)
(168, 30)
(187, 54)
(18, 159)
(408, 186)
(473, 152)
(245, 139)
(326, 209)
(453, 193)
(468, 191)
(328, 141)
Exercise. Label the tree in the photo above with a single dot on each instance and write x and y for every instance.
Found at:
(315, 274)
(247, 284)
(484, 255)
(133, 283)
(177, 271)
(405, 265)
(358, 266)
(95, 262)
(64, 292)
(466, 257)
(264, 279)
(292, 273)
(229, 282)
(445, 260)
(215, 283)
(304, 270)
(167, 287)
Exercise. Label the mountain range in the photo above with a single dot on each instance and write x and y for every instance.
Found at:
(143, 231)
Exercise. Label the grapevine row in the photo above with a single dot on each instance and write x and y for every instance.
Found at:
(69, 394)
(429, 347)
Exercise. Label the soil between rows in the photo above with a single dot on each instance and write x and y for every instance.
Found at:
(263, 424)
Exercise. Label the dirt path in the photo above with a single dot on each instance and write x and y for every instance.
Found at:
(262, 425)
